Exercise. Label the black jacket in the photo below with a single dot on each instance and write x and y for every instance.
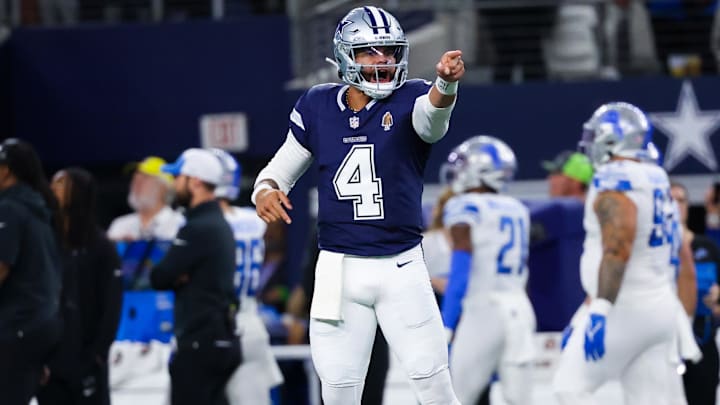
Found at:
(28, 245)
(91, 306)
(200, 267)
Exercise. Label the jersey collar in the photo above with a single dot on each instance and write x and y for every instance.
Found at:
(340, 98)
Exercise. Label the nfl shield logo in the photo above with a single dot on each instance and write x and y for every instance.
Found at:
(387, 121)
(354, 122)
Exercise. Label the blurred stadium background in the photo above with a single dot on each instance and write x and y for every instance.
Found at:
(104, 83)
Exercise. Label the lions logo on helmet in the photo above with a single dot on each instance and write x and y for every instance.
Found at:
(616, 129)
(375, 29)
(481, 161)
(229, 186)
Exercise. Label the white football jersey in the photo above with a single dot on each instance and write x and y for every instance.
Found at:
(248, 230)
(650, 268)
(500, 227)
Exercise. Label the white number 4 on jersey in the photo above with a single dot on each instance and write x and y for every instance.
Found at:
(357, 181)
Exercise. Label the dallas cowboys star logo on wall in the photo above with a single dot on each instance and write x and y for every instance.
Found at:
(688, 130)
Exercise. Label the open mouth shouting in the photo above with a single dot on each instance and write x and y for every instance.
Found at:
(379, 74)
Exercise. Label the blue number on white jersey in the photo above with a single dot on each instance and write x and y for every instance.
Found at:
(513, 230)
(248, 257)
(665, 225)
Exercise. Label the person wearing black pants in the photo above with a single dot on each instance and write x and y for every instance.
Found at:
(91, 298)
(29, 272)
(200, 268)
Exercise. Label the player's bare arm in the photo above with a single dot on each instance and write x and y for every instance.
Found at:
(617, 216)
(450, 69)
(687, 282)
(461, 237)
(271, 203)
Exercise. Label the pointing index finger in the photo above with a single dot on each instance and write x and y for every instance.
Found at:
(453, 54)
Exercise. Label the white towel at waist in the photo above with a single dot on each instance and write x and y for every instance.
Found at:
(327, 297)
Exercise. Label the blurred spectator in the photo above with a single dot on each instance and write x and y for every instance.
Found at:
(701, 379)
(91, 297)
(572, 50)
(569, 175)
(683, 30)
(628, 36)
(29, 272)
(517, 34)
(149, 196)
(142, 238)
(712, 213)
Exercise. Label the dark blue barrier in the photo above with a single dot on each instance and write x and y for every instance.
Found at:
(118, 93)
(555, 246)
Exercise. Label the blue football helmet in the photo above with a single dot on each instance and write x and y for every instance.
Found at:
(370, 29)
(479, 161)
(229, 186)
(616, 129)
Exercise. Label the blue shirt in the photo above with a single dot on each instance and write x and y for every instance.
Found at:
(371, 166)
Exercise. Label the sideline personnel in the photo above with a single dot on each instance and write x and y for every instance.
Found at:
(29, 272)
(200, 267)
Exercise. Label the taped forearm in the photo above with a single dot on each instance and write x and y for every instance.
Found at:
(286, 167)
(431, 123)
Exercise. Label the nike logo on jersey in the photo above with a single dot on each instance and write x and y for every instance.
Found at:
(403, 264)
(179, 242)
(2, 225)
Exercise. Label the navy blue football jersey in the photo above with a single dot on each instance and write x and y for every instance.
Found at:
(371, 166)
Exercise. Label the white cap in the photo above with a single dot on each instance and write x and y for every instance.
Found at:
(199, 163)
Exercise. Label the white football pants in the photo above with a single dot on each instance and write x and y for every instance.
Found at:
(482, 344)
(639, 335)
(399, 299)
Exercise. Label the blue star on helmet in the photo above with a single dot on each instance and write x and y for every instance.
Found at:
(342, 25)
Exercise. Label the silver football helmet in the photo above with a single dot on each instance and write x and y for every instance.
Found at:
(371, 29)
(616, 129)
(479, 161)
(229, 186)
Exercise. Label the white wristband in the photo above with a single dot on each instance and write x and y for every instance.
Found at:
(446, 88)
(600, 306)
(260, 187)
